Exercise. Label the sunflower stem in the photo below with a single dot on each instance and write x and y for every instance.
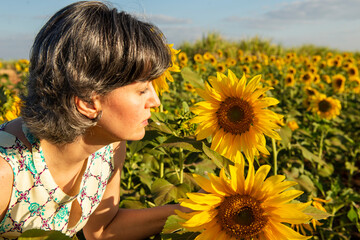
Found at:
(161, 175)
(274, 155)
(321, 142)
(181, 163)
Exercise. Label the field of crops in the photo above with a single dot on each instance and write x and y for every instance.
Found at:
(236, 117)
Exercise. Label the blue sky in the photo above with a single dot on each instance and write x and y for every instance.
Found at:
(331, 23)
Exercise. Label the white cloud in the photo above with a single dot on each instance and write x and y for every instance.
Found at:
(302, 12)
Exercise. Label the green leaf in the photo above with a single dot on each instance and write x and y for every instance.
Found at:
(352, 215)
(285, 134)
(38, 234)
(315, 213)
(184, 236)
(188, 144)
(306, 183)
(172, 224)
(326, 169)
(192, 77)
(166, 192)
(309, 155)
(217, 158)
(185, 106)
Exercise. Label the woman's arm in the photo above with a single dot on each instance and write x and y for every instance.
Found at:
(6, 179)
(111, 222)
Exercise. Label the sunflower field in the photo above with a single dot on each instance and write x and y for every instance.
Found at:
(257, 140)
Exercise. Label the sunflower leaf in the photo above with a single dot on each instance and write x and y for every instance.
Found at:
(315, 213)
(38, 234)
(166, 192)
(193, 78)
(185, 143)
(184, 236)
(219, 160)
(172, 225)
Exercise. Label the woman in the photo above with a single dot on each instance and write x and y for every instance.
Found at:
(89, 91)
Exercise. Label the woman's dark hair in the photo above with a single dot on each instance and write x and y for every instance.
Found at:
(86, 48)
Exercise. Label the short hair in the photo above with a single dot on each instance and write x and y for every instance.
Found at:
(86, 48)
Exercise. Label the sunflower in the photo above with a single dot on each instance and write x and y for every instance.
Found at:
(307, 78)
(355, 83)
(325, 107)
(13, 111)
(160, 84)
(198, 58)
(291, 70)
(230, 62)
(289, 80)
(338, 83)
(239, 207)
(221, 67)
(293, 125)
(353, 71)
(234, 114)
(257, 67)
(245, 69)
(310, 92)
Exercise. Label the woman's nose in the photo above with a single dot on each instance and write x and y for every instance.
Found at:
(154, 98)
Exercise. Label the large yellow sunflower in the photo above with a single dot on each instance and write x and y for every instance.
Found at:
(244, 208)
(234, 113)
(325, 107)
(160, 84)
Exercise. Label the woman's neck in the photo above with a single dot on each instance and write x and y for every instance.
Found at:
(67, 162)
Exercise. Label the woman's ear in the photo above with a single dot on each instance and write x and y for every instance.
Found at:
(89, 109)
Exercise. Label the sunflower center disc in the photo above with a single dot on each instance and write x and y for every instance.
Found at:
(241, 216)
(324, 106)
(338, 83)
(235, 115)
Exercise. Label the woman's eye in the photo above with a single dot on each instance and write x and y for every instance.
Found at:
(144, 91)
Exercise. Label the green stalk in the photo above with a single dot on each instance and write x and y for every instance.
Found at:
(181, 160)
(275, 153)
(161, 166)
(321, 143)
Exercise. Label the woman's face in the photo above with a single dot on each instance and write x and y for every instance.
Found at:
(125, 112)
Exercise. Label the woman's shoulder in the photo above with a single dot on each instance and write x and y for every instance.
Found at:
(14, 128)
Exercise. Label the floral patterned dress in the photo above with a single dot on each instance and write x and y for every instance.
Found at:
(36, 201)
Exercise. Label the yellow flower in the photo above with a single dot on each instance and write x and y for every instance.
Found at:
(292, 70)
(220, 67)
(198, 58)
(220, 53)
(207, 55)
(353, 71)
(338, 83)
(310, 92)
(230, 62)
(160, 84)
(189, 87)
(293, 125)
(307, 78)
(355, 83)
(212, 60)
(289, 80)
(326, 78)
(257, 67)
(245, 69)
(13, 112)
(244, 207)
(234, 114)
(325, 107)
